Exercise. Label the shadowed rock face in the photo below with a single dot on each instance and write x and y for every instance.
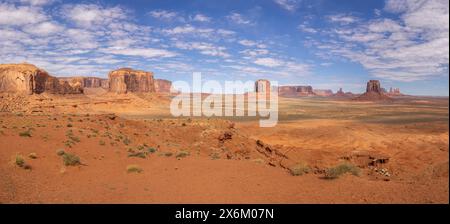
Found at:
(128, 80)
(373, 92)
(162, 86)
(27, 78)
(374, 86)
(296, 91)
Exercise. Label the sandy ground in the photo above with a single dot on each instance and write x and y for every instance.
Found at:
(225, 161)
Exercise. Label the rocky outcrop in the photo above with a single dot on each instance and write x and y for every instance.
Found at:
(128, 80)
(373, 92)
(163, 86)
(293, 91)
(341, 93)
(323, 92)
(29, 79)
(394, 92)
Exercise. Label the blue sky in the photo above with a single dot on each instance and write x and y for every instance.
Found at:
(324, 43)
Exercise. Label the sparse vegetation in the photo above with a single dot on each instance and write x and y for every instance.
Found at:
(60, 152)
(134, 169)
(137, 154)
(69, 125)
(70, 159)
(101, 142)
(335, 172)
(299, 169)
(215, 155)
(182, 154)
(20, 161)
(26, 133)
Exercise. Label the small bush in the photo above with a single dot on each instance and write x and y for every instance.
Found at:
(126, 141)
(137, 154)
(69, 125)
(151, 150)
(26, 133)
(71, 159)
(60, 152)
(20, 161)
(101, 142)
(335, 172)
(215, 155)
(182, 154)
(299, 169)
(134, 169)
(32, 155)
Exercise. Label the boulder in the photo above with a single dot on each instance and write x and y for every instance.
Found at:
(128, 80)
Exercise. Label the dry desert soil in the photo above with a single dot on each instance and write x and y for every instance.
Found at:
(107, 148)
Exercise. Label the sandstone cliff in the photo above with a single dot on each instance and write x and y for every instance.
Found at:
(29, 79)
(293, 91)
(323, 92)
(86, 82)
(373, 92)
(162, 86)
(128, 80)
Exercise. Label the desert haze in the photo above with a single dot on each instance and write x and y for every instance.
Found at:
(94, 140)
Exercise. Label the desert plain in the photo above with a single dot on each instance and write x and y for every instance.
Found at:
(102, 147)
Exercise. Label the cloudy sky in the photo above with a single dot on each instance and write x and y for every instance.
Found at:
(324, 43)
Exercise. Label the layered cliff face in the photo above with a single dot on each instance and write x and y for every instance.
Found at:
(323, 92)
(291, 91)
(29, 79)
(128, 80)
(86, 82)
(374, 92)
(163, 86)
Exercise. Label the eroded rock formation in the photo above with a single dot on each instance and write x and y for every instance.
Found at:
(292, 91)
(128, 80)
(323, 92)
(29, 79)
(86, 82)
(373, 92)
(162, 86)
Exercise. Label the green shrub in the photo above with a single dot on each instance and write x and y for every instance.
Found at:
(20, 161)
(151, 150)
(32, 155)
(26, 133)
(299, 169)
(335, 172)
(60, 152)
(101, 142)
(182, 154)
(71, 159)
(134, 169)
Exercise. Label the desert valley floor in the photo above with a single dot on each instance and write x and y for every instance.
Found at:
(132, 151)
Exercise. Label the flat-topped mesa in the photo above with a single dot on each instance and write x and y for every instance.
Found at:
(323, 92)
(374, 86)
(128, 80)
(29, 79)
(374, 92)
(163, 86)
(292, 91)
